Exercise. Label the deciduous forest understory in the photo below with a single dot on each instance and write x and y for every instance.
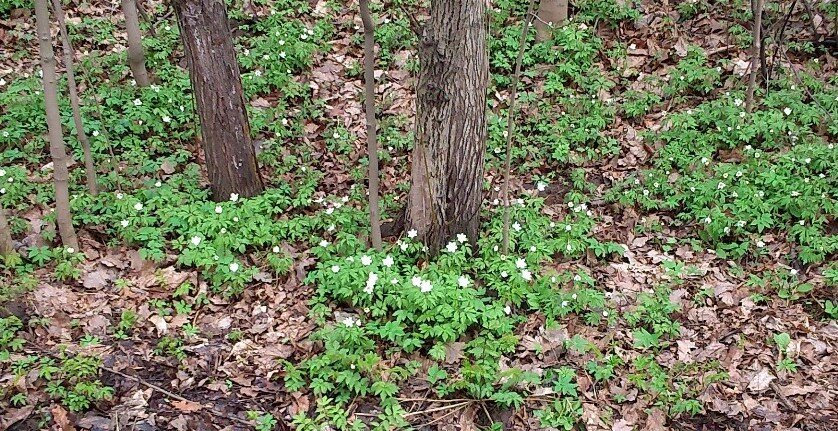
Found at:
(672, 233)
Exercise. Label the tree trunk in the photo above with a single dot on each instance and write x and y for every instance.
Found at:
(89, 167)
(447, 169)
(7, 247)
(214, 72)
(369, 106)
(551, 13)
(57, 149)
(136, 53)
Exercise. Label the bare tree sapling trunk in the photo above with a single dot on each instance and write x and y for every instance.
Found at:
(136, 53)
(755, 54)
(447, 167)
(510, 124)
(57, 149)
(7, 247)
(551, 13)
(219, 98)
(89, 167)
(369, 105)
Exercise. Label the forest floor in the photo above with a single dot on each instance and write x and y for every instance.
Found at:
(688, 326)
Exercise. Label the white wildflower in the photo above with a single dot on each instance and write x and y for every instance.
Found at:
(412, 233)
(324, 243)
(388, 261)
(787, 111)
(234, 267)
(196, 240)
(463, 281)
(541, 186)
(426, 286)
(520, 263)
(507, 309)
(335, 269)
(526, 275)
(138, 102)
(218, 209)
(461, 237)
(124, 223)
(138, 206)
(451, 247)
(366, 260)
(516, 226)
(234, 197)
(275, 249)
(371, 280)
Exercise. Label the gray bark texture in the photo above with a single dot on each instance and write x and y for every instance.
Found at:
(550, 12)
(57, 148)
(7, 247)
(219, 98)
(136, 53)
(369, 106)
(447, 168)
(89, 166)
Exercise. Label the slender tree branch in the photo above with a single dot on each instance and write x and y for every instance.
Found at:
(369, 106)
(755, 54)
(510, 124)
(89, 166)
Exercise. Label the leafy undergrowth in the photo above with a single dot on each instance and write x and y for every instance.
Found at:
(672, 258)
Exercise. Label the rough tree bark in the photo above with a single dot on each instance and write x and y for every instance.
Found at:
(57, 149)
(7, 247)
(369, 106)
(550, 13)
(136, 53)
(89, 167)
(216, 81)
(447, 169)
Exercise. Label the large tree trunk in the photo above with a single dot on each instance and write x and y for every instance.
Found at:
(89, 167)
(447, 168)
(57, 149)
(208, 44)
(136, 53)
(551, 13)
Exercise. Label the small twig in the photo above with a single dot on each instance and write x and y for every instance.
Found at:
(805, 87)
(170, 394)
(441, 408)
(455, 410)
(778, 40)
(510, 124)
(415, 25)
(783, 400)
(432, 401)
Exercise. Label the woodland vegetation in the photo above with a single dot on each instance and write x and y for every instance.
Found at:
(402, 214)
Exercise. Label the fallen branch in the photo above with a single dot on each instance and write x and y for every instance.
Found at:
(173, 395)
